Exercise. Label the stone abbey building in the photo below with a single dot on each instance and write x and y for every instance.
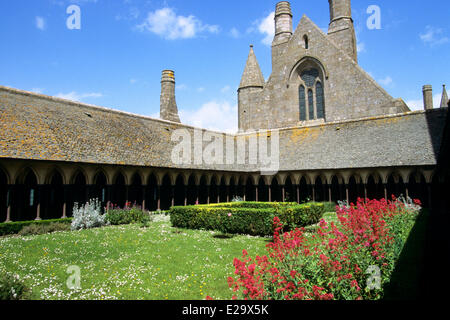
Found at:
(341, 136)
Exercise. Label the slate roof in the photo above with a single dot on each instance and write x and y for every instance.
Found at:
(38, 127)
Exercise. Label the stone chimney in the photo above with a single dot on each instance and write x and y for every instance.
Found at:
(341, 29)
(169, 109)
(427, 97)
(283, 22)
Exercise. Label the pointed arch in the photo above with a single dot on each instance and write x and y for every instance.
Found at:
(151, 194)
(25, 195)
(309, 76)
(119, 196)
(290, 192)
(305, 189)
(52, 197)
(166, 195)
(135, 194)
(417, 187)
(179, 193)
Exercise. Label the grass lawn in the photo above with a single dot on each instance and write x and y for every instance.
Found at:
(128, 262)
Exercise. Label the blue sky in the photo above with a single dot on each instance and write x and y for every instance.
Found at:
(115, 59)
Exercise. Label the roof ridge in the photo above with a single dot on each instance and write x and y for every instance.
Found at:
(98, 108)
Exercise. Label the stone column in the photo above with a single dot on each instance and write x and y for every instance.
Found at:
(385, 191)
(365, 192)
(38, 200)
(185, 195)
(9, 195)
(283, 193)
(158, 197)
(346, 194)
(297, 187)
(108, 197)
(172, 195)
(127, 191)
(270, 192)
(144, 193)
(197, 194)
(330, 197)
(65, 194)
(257, 193)
(208, 189)
(228, 193)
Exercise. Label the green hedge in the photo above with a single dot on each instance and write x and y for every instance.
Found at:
(250, 205)
(15, 227)
(126, 216)
(251, 218)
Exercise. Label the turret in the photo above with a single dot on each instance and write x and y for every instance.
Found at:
(341, 29)
(283, 22)
(427, 97)
(169, 109)
(283, 29)
(444, 99)
(252, 84)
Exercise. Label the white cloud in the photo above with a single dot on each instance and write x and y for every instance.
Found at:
(235, 33)
(266, 27)
(386, 81)
(201, 89)
(213, 115)
(433, 36)
(40, 23)
(37, 90)
(416, 105)
(225, 89)
(181, 86)
(361, 47)
(168, 25)
(133, 81)
(74, 96)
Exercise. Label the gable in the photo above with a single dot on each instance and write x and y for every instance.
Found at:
(350, 93)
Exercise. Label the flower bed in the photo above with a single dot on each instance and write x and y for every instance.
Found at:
(253, 218)
(350, 260)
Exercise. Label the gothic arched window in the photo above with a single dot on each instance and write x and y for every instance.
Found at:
(320, 106)
(311, 95)
(311, 104)
(305, 38)
(302, 96)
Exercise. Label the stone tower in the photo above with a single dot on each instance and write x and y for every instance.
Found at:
(252, 84)
(283, 28)
(341, 29)
(168, 106)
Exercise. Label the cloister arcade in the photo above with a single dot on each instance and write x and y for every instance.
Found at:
(37, 190)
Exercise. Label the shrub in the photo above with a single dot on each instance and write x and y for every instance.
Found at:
(237, 199)
(15, 227)
(12, 288)
(329, 206)
(127, 216)
(36, 229)
(253, 218)
(351, 260)
(88, 216)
